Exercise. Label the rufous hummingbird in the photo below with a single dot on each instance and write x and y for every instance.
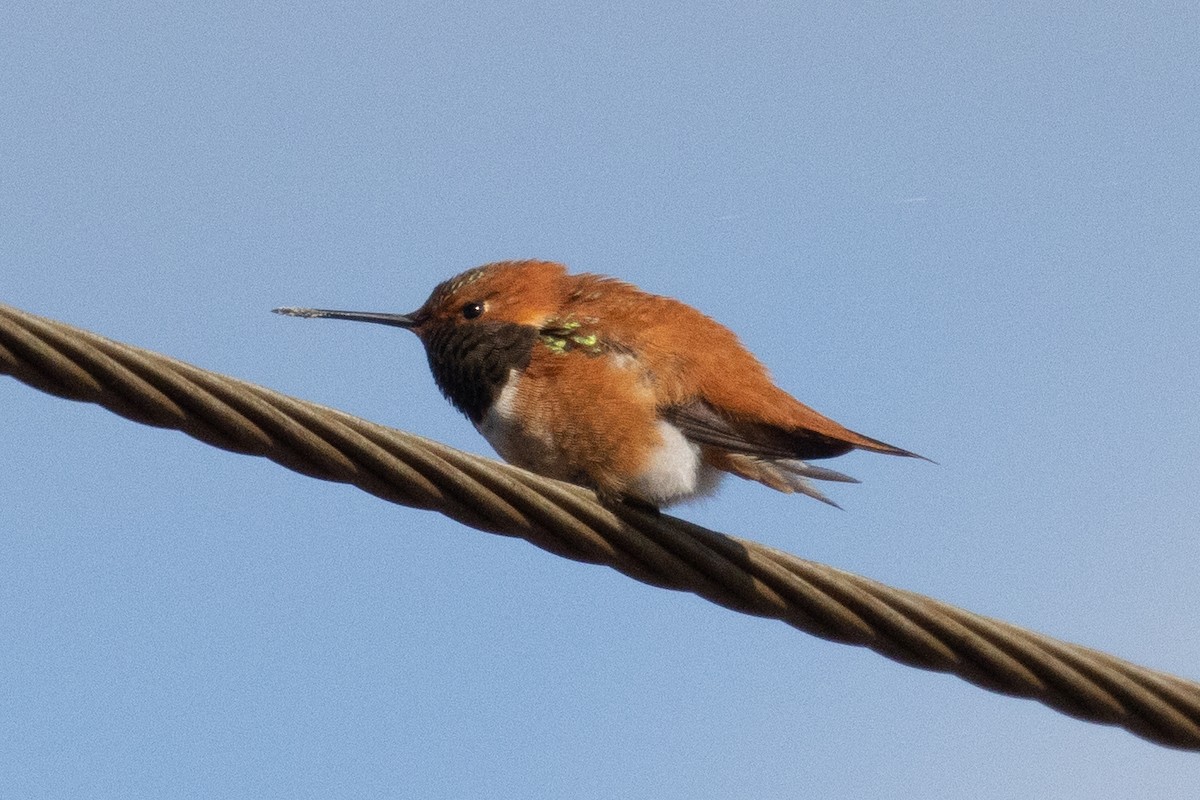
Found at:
(590, 380)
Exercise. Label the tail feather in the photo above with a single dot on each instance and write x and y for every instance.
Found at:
(783, 475)
(806, 470)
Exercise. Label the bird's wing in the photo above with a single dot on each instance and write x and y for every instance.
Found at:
(702, 424)
(759, 452)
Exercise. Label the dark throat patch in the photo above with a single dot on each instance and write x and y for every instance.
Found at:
(471, 363)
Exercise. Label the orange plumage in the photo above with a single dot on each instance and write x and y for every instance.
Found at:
(591, 380)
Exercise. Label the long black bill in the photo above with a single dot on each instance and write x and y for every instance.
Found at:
(396, 320)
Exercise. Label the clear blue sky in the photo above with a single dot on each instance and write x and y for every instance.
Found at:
(972, 232)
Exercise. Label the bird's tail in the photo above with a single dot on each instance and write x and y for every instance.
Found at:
(787, 475)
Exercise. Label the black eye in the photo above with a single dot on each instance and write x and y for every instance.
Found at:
(472, 310)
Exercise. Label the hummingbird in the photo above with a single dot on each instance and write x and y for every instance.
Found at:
(591, 380)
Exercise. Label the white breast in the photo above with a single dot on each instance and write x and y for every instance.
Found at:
(512, 439)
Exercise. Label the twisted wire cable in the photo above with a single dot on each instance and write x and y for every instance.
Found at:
(568, 521)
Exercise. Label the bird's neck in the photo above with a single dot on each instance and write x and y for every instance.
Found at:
(472, 363)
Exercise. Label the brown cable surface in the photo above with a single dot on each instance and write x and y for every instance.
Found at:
(567, 521)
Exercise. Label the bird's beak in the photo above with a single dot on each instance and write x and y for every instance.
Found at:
(396, 320)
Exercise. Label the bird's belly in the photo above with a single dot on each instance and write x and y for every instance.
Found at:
(674, 470)
(671, 470)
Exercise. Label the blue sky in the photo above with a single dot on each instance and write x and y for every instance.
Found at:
(972, 232)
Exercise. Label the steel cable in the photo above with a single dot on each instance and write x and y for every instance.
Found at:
(568, 521)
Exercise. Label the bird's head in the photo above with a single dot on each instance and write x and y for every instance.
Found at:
(524, 293)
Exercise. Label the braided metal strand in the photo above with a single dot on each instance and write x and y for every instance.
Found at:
(567, 521)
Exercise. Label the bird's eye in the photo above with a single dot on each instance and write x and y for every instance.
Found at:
(472, 310)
